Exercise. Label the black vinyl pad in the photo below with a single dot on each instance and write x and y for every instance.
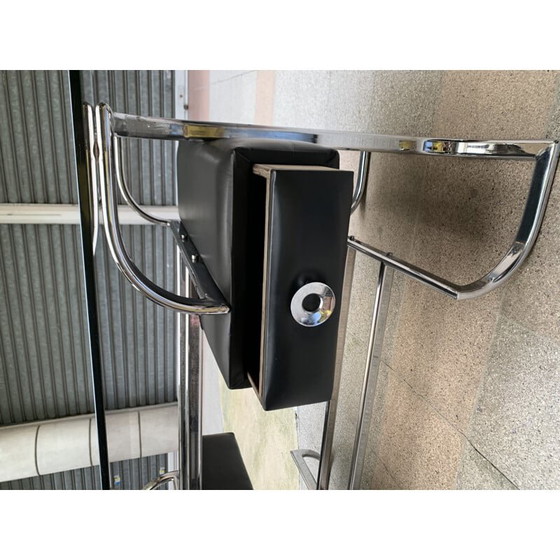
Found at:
(222, 205)
(222, 464)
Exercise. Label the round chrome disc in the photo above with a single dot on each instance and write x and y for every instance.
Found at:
(313, 304)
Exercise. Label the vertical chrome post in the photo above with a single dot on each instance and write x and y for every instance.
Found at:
(189, 387)
(194, 395)
(379, 320)
(324, 473)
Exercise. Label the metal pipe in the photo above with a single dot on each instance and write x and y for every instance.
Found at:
(325, 465)
(189, 387)
(299, 456)
(82, 115)
(531, 220)
(361, 180)
(115, 243)
(172, 476)
(119, 175)
(181, 374)
(377, 333)
(94, 187)
(194, 396)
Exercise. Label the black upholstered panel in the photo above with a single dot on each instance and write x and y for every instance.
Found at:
(221, 203)
(222, 464)
(309, 211)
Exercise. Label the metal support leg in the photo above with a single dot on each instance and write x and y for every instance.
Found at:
(379, 319)
(330, 412)
(189, 388)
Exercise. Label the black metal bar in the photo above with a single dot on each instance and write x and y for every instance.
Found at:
(88, 261)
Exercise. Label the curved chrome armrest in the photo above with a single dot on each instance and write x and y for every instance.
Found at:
(212, 301)
(546, 162)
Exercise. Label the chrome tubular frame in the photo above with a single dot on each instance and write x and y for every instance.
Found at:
(106, 170)
(166, 478)
(110, 127)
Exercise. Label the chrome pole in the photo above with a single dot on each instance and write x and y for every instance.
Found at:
(324, 472)
(189, 386)
(361, 180)
(193, 396)
(181, 374)
(377, 333)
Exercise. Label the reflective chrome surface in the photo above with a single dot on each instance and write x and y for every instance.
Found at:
(318, 313)
(92, 175)
(531, 220)
(105, 169)
(188, 350)
(361, 180)
(299, 456)
(174, 129)
(377, 333)
(545, 156)
(119, 175)
(172, 476)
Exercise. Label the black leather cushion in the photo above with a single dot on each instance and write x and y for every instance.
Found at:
(220, 204)
(308, 214)
(222, 464)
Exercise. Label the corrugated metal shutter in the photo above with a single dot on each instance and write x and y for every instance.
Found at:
(43, 336)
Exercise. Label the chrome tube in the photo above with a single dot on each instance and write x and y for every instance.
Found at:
(189, 387)
(361, 180)
(181, 374)
(440, 284)
(299, 456)
(92, 174)
(172, 476)
(134, 126)
(192, 464)
(143, 284)
(325, 459)
(373, 361)
(527, 233)
(125, 192)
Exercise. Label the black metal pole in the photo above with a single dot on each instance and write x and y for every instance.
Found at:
(88, 258)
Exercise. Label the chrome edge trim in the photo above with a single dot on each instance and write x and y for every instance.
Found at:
(126, 125)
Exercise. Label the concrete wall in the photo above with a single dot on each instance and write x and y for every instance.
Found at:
(469, 392)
